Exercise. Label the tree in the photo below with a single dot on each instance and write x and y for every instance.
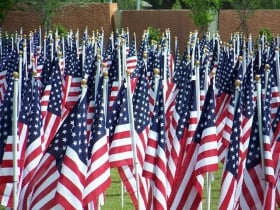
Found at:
(5, 7)
(203, 12)
(245, 9)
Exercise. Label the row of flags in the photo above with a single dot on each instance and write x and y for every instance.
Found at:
(165, 119)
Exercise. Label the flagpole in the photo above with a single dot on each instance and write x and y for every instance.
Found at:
(277, 66)
(97, 76)
(197, 86)
(15, 139)
(267, 70)
(209, 175)
(134, 149)
(259, 106)
(156, 73)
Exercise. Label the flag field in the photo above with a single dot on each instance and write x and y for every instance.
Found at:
(113, 195)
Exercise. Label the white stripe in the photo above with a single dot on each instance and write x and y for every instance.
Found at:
(69, 196)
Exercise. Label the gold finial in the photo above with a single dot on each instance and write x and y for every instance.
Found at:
(105, 74)
(156, 71)
(258, 78)
(83, 82)
(16, 75)
(213, 72)
(145, 55)
(237, 83)
(267, 67)
(197, 63)
(34, 73)
(240, 58)
(128, 72)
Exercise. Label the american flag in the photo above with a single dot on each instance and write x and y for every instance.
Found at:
(119, 131)
(98, 176)
(51, 104)
(275, 92)
(113, 83)
(141, 126)
(247, 98)
(131, 59)
(70, 187)
(230, 172)
(62, 167)
(155, 164)
(33, 147)
(6, 70)
(71, 83)
(257, 188)
(176, 125)
(6, 145)
(201, 157)
(276, 152)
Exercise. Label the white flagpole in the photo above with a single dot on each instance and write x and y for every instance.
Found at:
(133, 139)
(197, 86)
(124, 58)
(157, 76)
(15, 140)
(97, 76)
(277, 66)
(119, 61)
(267, 71)
(259, 106)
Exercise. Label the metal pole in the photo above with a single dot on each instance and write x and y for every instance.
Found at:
(15, 140)
(133, 139)
(259, 106)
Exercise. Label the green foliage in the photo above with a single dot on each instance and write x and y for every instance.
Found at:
(203, 12)
(62, 31)
(126, 4)
(267, 33)
(5, 7)
(177, 5)
(154, 34)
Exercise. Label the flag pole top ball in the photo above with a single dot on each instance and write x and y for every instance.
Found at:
(84, 82)
(105, 74)
(156, 71)
(128, 72)
(213, 72)
(16, 75)
(197, 63)
(240, 58)
(34, 73)
(237, 83)
(267, 67)
(258, 78)
(145, 55)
